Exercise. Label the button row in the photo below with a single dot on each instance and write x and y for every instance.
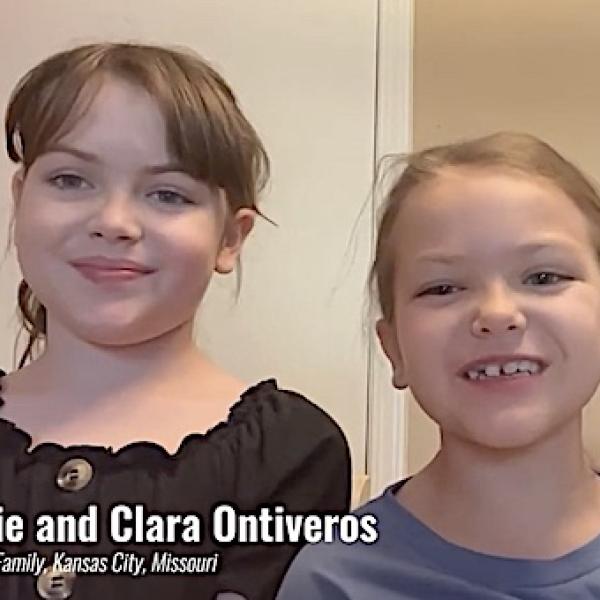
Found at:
(54, 583)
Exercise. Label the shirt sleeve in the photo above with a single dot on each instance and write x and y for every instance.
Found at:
(306, 579)
(291, 454)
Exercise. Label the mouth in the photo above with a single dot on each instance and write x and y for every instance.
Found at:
(102, 269)
(503, 368)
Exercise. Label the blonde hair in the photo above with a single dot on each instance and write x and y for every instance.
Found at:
(206, 130)
(518, 152)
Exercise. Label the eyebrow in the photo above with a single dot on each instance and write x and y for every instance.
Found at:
(175, 167)
(437, 256)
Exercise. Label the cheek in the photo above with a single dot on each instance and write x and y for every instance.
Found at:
(575, 318)
(190, 250)
(427, 334)
(29, 241)
(188, 253)
(36, 250)
(189, 236)
(40, 224)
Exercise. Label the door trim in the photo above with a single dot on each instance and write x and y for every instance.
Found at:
(387, 420)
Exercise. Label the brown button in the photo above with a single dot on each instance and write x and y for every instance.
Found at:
(55, 584)
(74, 475)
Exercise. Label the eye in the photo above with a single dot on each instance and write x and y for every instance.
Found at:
(69, 181)
(170, 197)
(547, 278)
(443, 289)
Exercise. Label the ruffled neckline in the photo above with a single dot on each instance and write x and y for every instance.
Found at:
(240, 413)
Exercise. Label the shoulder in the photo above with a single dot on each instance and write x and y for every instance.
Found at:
(277, 446)
(273, 409)
(336, 570)
(295, 429)
(347, 570)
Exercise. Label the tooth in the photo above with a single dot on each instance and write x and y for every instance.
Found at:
(529, 365)
(492, 370)
(510, 367)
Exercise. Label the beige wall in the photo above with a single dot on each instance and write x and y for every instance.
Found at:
(304, 73)
(484, 65)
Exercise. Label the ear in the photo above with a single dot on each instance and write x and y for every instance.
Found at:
(388, 338)
(237, 229)
(17, 183)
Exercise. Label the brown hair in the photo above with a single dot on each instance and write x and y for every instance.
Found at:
(206, 129)
(519, 152)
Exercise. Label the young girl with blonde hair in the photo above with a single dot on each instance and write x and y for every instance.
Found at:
(488, 279)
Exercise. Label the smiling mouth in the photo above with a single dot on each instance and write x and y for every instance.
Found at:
(107, 275)
(511, 369)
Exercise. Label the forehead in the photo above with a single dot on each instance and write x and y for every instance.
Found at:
(476, 209)
(119, 114)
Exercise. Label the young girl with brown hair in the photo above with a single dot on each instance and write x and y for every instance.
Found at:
(137, 179)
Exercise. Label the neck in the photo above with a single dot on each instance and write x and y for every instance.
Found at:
(542, 496)
(95, 370)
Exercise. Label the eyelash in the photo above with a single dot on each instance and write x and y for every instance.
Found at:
(56, 181)
(437, 289)
(181, 199)
(59, 181)
(557, 277)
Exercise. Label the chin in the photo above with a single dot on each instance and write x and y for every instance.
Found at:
(119, 331)
(509, 441)
(512, 436)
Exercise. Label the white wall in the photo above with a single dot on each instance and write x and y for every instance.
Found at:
(305, 74)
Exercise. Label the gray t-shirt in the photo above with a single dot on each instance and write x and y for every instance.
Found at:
(410, 561)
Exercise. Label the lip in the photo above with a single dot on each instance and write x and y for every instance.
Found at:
(501, 358)
(101, 269)
(103, 263)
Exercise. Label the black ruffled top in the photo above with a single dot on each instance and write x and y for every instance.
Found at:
(276, 447)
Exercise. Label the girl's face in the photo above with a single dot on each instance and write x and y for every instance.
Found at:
(114, 239)
(495, 272)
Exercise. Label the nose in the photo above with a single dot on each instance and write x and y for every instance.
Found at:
(115, 219)
(497, 312)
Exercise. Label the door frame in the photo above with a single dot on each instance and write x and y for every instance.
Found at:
(387, 409)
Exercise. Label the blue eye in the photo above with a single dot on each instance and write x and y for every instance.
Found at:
(69, 181)
(443, 289)
(170, 197)
(547, 278)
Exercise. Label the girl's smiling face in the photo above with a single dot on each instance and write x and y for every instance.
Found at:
(114, 239)
(492, 268)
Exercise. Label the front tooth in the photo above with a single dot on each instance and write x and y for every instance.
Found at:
(529, 365)
(492, 370)
(511, 367)
(473, 374)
